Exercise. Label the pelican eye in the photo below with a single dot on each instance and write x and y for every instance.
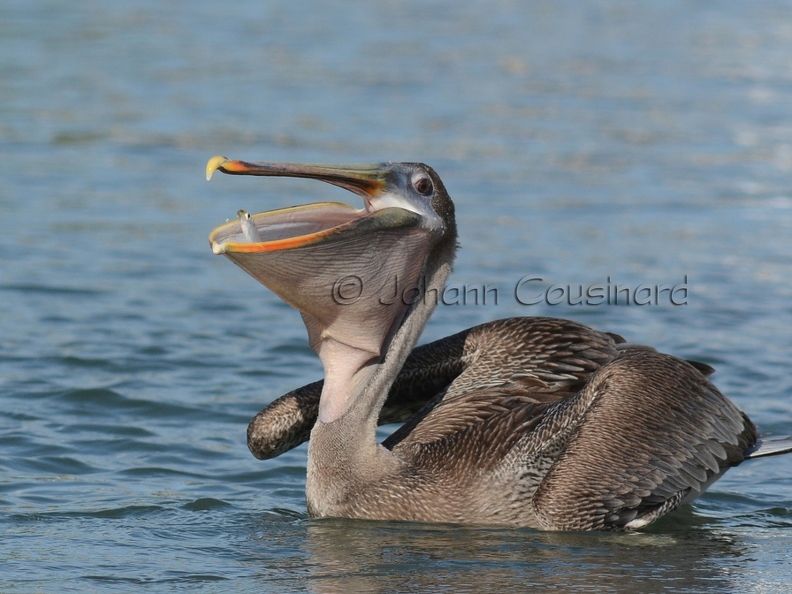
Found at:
(423, 185)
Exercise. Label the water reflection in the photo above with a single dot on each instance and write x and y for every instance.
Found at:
(360, 556)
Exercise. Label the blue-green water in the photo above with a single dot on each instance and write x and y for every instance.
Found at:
(582, 141)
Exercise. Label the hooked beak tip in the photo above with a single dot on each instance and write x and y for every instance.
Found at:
(214, 164)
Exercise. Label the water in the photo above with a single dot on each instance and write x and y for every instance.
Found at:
(581, 142)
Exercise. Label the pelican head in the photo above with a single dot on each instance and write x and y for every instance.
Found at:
(355, 274)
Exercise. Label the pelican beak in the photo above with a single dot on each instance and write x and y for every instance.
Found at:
(335, 263)
(311, 223)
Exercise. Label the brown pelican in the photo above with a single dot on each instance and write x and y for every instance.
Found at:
(533, 422)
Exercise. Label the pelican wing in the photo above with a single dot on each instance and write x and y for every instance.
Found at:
(510, 363)
(646, 433)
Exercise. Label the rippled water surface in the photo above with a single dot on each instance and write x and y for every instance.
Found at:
(583, 142)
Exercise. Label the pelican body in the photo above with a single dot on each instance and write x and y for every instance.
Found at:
(533, 422)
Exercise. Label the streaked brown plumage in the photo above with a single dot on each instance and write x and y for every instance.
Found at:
(532, 422)
(555, 357)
